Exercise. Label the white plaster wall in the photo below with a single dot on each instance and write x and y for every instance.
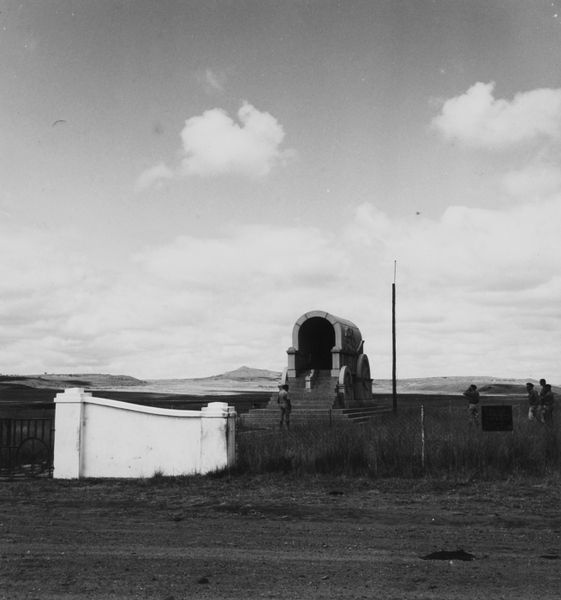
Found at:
(97, 437)
(119, 442)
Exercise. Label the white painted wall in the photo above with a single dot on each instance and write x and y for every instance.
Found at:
(97, 437)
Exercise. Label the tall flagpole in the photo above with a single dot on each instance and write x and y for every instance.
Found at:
(394, 372)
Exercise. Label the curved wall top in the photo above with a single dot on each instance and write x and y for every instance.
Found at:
(347, 334)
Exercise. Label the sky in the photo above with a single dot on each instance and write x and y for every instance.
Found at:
(182, 180)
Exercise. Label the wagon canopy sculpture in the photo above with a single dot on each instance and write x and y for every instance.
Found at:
(328, 375)
(327, 357)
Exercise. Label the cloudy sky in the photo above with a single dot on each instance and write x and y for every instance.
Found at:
(182, 180)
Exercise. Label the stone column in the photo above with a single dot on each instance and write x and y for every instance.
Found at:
(336, 361)
(69, 409)
(218, 432)
(292, 367)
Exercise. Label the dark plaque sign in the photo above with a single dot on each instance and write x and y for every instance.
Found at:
(496, 418)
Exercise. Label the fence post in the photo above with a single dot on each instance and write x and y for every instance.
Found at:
(423, 437)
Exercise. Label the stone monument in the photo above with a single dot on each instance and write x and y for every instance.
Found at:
(327, 354)
(328, 375)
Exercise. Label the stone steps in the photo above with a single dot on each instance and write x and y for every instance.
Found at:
(318, 404)
(270, 416)
(320, 396)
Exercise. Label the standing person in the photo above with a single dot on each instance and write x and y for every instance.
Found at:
(472, 394)
(543, 383)
(285, 405)
(547, 400)
(533, 402)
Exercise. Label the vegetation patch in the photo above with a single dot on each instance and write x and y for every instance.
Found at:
(440, 443)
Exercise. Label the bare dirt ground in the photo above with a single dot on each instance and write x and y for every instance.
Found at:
(281, 537)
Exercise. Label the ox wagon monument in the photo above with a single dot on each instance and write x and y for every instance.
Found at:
(328, 373)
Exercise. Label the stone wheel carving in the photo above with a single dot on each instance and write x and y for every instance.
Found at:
(363, 377)
(345, 387)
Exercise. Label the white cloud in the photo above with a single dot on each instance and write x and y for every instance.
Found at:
(472, 249)
(264, 255)
(153, 177)
(478, 292)
(474, 287)
(533, 181)
(213, 144)
(477, 119)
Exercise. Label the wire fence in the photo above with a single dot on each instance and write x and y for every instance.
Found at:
(451, 438)
(434, 439)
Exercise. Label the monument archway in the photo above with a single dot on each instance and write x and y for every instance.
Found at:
(327, 359)
(328, 374)
(316, 338)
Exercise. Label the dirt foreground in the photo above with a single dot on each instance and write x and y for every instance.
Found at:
(245, 538)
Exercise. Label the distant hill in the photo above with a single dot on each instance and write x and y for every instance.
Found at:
(455, 385)
(242, 379)
(251, 379)
(244, 374)
(59, 381)
(16, 389)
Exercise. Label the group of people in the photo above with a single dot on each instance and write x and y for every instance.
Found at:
(540, 404)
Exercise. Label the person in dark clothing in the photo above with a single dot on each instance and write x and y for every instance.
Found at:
(472, 394)
(543, 383)
(547, 400)
(285, 406)
(533, 402)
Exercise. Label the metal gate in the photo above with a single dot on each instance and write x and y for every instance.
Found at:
(26, 447)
